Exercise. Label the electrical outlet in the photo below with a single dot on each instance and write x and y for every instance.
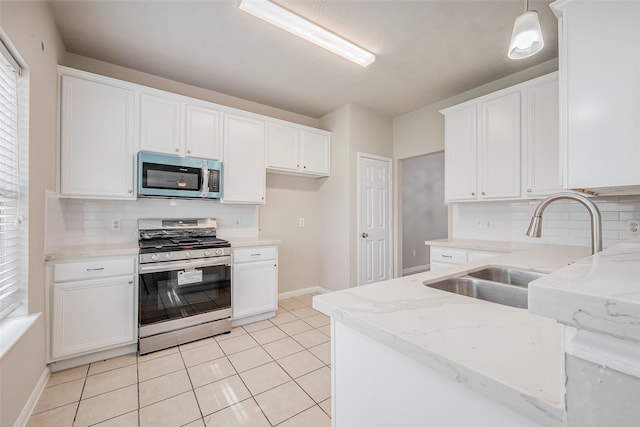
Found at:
(116, 224)
(414, 253)
(300, 222)
(237, 222)
(633, 226)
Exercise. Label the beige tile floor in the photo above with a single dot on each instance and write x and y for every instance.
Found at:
(270, 373)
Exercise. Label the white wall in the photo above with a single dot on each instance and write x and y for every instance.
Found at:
(335, 263)
(290, 198)
(29, 26)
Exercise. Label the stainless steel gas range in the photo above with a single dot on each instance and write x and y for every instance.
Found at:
(185, 282)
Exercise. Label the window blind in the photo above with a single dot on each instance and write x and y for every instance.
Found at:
(9, 185)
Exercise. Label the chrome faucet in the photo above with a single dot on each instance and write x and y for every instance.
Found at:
(535, 227)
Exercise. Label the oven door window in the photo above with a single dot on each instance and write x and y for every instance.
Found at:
(170, 295)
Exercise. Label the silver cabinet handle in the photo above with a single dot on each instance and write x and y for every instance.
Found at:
(256, 254)
(473, 194)
(364, 235)
(95, 269)
(446, 256)
(131, 282)
(528, 190)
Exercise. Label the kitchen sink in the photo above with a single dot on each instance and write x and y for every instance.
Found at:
(501, 285)
(507, 275)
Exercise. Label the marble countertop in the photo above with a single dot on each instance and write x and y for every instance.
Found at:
(79, 251)
(131, 248)
(508, 354)
(481, 245)
(239, 242)
(600, 293)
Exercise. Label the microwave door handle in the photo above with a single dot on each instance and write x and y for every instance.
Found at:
(205, 181)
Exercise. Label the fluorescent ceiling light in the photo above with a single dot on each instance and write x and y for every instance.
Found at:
(307, 30)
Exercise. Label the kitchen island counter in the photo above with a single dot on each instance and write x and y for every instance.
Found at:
(507, 354)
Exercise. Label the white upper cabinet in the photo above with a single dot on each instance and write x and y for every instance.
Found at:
(203, 132)
(315, 152)
(170, 125)
(297, 150)
(160, 125)
(542, 173)
(499, 147)
(461, 154)
(283, 148)
(600, 89)
(243, 168)
(97, 153)
(504, 145)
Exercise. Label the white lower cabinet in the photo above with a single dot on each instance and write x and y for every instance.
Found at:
(92, 305)
(447, 256)
(254, 289)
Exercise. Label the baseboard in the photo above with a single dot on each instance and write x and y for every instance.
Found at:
(303, 291)
(23, 418)
(416, 269)
(73, 362)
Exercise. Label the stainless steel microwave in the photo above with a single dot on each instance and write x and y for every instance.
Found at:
(161, 175)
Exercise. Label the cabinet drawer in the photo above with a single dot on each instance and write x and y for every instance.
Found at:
(63, 272)
(448, 255)
(254, 254)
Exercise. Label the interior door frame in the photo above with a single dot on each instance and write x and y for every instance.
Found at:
(391, 250)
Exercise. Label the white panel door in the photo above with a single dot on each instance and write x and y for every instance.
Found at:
(203, 133)
(160, 125)
(499, 155)
(374, 255)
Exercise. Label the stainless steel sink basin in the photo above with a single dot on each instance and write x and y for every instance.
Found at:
(501, 285)
(507, 275)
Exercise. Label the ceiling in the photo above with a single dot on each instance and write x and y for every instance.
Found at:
(427, 50)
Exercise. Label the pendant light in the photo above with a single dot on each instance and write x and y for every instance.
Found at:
(526, 39)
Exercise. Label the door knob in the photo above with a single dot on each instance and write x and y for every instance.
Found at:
(364, 235)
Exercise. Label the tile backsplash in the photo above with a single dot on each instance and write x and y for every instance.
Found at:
(83, 221)
(564, 222)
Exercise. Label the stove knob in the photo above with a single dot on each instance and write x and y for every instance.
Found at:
(155, 257)
(187, 254)
(207, 253)
(219, 251)
(168, 255)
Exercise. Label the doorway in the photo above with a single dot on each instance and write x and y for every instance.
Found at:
(424, 213)
(374, 219)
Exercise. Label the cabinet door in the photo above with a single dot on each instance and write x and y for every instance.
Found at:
(282, 147)
(160, 125)
(499, 145)
(255, 288)
(461, 155)
(92, 315)
(243, 169)
(315, 153)
(203, 136)
(541, 145)
(602, 90)
(97, 150)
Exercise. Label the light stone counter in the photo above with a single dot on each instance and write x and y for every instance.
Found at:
(600, 293)
(481, 245)
(240, 242)
(507, 354)
(80, 251)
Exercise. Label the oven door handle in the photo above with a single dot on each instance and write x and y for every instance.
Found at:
(181, 265)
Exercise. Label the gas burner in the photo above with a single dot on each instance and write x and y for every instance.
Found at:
(164, 240)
